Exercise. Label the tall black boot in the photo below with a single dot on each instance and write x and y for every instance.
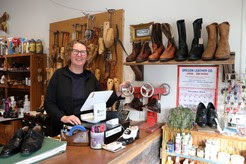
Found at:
(182, 52)
(197, 48)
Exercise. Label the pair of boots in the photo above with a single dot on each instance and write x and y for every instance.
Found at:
(197, 48)
(140, 53)
(206, 116)
(219, 51)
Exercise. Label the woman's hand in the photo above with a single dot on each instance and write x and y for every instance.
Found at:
(71, 120)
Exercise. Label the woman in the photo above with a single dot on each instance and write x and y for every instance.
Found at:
(69, 87)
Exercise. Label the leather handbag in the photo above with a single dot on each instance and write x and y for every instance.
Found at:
(77, 136)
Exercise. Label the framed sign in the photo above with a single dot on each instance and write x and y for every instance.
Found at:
(140, 32)
(197, 84)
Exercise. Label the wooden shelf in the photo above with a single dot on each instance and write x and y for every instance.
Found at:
(2, 85)
(138, 68)
(18, 71)
(186, 62)
(19, 87)
(194, 158)
(15, 55)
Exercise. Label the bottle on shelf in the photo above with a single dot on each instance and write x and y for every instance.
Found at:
(26, 104)
(177, 160)
(186, 161)
(169, 160)
(178, 143)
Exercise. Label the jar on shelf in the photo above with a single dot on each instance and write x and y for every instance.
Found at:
(39, 46)
(32, 46)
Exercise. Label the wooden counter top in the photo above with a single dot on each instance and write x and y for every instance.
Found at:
(76, 154)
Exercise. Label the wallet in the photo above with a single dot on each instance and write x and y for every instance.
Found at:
(78, 137)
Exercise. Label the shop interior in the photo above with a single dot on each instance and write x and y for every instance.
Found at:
(178, 69)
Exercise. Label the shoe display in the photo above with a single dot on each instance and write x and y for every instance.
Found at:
(33, 140)
(182, 52)
(14, 144)
(129, 135)
(136, 104)
(201, 115)
(223, 50)
(136, 48)
(211, 115)
(144, 54)
(209, 52)
(197, 48)
(154, 105)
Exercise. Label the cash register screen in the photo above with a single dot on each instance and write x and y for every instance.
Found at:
(94, 98)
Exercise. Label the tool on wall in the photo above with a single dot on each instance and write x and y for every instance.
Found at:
(89, 32)
(3, 22)
(108, 31)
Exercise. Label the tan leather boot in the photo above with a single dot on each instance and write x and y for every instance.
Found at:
(144, 54)
(223, 50)
(209, 52)
(157, 51)
(136, 48)
(169, 52)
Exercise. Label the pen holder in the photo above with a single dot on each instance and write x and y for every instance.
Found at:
(97, 140)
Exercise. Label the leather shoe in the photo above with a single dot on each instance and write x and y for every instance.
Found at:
(154, 105)
(201, 115)
(211, 115)
(14, 144)
(136, 104)
(33, 140)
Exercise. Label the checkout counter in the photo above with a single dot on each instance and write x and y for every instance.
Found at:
(146, 149)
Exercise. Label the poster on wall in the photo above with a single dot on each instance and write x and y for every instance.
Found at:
(197, 84)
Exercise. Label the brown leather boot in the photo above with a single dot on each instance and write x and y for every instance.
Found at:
(170, 51)
(156, 53)
(136, 48)
(209, 52)
(223, 50)
(157, 45)
(144, 54)
(168, 54)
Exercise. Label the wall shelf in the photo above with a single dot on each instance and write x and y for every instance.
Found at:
(138, 68)
(194, 158)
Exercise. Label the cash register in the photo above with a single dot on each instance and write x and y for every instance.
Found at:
(96, 102)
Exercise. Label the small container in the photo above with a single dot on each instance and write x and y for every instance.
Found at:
(32, 46)
(224, 157)
(200, 152)
(192, 151)
(97, 140)
(170, 147)
(39, 47)
(237, 159)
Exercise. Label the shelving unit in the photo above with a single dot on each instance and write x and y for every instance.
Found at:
(228, 144)
(194, 158)
(138, 68)
(14, 84)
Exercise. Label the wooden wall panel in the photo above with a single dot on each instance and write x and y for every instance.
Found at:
(117, 18)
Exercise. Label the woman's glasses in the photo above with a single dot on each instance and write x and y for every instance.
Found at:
(77, 52)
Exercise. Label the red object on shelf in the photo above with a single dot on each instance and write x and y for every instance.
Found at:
(157, 92)
(151, 117)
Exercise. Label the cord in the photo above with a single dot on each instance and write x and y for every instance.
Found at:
(76, 9)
